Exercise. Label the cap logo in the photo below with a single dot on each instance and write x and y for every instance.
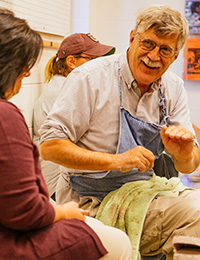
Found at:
(92, 37)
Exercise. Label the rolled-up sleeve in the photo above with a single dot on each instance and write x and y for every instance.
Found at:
(71, 113)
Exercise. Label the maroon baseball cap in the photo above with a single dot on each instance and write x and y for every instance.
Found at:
(83, 43)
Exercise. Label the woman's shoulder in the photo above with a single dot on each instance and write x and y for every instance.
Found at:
(10, 112)
(7, 104)
(8, 107)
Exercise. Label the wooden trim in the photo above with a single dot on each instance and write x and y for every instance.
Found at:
(51, 44)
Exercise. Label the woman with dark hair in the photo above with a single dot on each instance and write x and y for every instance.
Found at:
(30, 226)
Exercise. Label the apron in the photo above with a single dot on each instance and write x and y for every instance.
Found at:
(133, 132)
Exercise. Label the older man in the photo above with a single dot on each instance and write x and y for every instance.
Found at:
(120, 113)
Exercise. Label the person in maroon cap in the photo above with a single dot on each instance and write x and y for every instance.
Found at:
(74, 51)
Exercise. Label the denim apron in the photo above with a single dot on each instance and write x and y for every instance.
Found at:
(133, 132)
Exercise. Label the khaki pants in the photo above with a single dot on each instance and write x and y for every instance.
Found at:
(166, 217)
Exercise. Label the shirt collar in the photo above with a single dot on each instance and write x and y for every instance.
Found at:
(125, 70)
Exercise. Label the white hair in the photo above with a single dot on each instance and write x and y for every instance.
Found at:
(165, 22)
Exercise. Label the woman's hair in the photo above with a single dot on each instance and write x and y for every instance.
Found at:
(20, 47)
(56, 66)
(165, 22)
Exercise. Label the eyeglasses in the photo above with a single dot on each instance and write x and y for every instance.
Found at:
(85, 57)
(149, 45)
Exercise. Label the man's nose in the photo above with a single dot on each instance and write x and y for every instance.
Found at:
(154, 54)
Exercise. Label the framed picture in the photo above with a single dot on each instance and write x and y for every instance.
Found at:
(192, 59)
(192, 14)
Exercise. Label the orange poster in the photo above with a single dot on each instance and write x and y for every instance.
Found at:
(192, 59)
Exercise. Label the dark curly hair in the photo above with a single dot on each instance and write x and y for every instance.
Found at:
(20, 47)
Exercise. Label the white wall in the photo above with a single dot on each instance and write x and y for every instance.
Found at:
(80, 16)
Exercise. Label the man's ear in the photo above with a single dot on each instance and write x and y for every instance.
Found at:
(132, 35)
(71, 62)
(176, 56)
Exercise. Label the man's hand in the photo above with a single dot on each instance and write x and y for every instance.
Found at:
(180, 143)
(138, 157)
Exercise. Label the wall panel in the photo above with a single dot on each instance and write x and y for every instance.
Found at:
(43, 15)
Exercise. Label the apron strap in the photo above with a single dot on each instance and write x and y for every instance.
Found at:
(163, 108)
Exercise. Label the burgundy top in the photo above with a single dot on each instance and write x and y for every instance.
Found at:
(26, 216)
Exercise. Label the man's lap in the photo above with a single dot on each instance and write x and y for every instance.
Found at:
(166, 217)
(170, 216)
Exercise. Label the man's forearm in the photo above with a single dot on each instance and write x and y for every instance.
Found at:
(68, 154)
